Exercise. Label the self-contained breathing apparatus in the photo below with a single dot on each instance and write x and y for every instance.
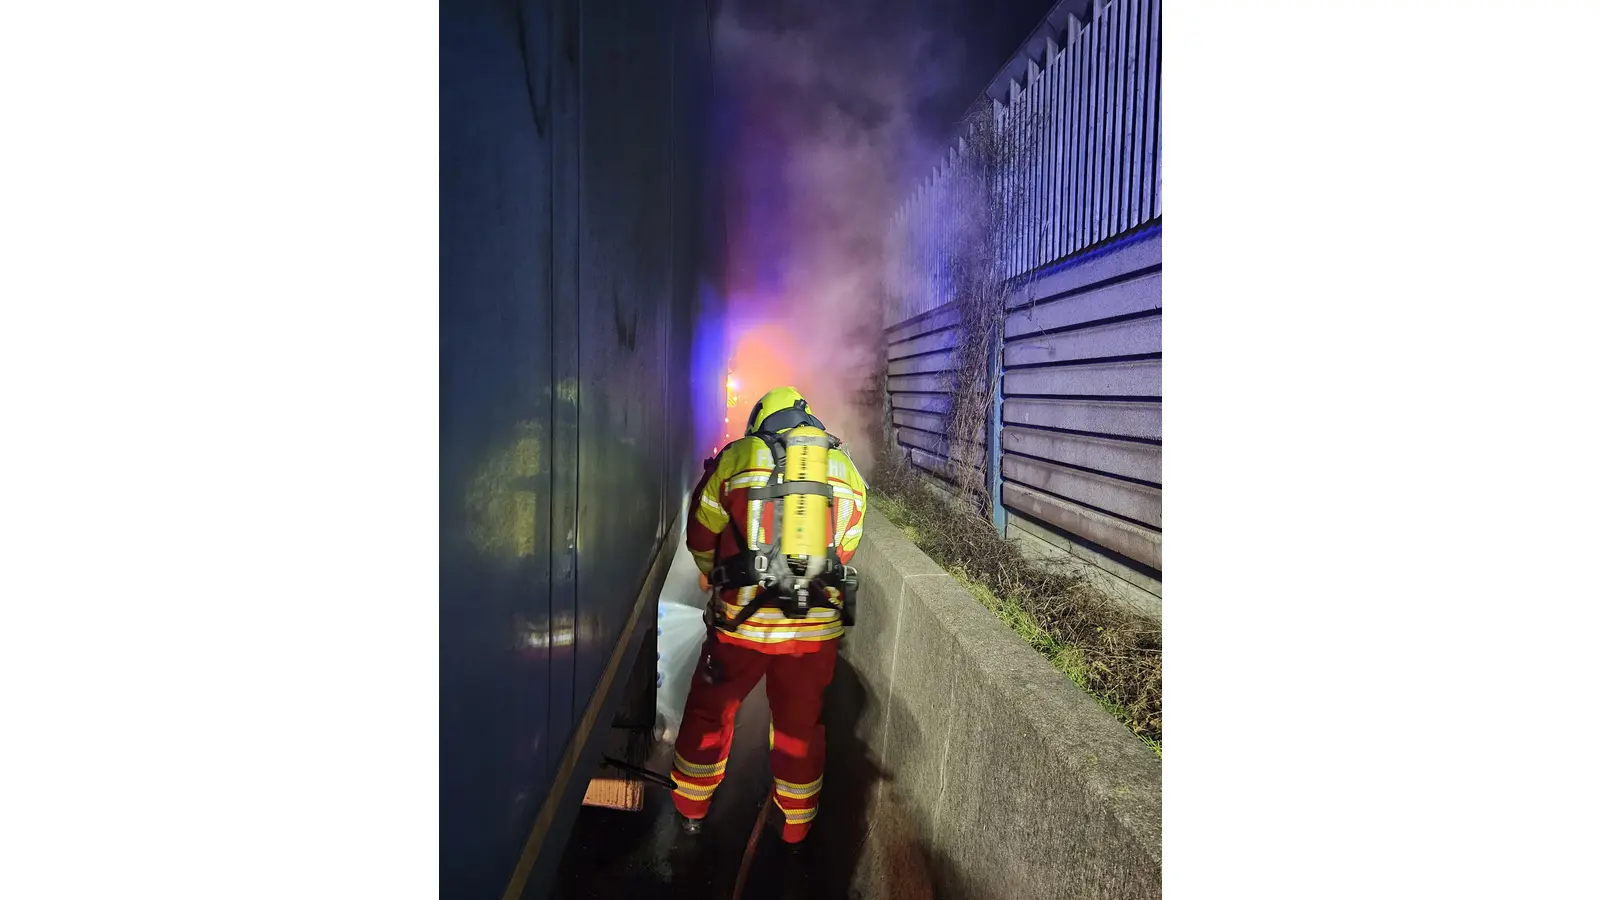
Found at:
(796, 571)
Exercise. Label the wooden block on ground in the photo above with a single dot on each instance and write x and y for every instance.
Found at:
(615, 793)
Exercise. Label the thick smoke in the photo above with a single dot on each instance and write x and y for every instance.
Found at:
(824, 127)
(829, 111)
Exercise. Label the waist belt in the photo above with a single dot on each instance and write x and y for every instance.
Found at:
(792, 594)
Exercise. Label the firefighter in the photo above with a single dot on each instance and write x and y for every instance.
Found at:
(776, 519)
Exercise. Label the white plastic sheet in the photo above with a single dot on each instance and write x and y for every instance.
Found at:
(680, 631)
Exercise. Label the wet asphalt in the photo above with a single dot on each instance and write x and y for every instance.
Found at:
(645, 855)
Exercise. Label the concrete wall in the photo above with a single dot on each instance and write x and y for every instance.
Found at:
(994, 776)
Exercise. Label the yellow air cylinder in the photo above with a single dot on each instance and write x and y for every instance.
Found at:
(805, 516)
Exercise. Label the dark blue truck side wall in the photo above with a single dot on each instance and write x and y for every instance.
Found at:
(573, 205)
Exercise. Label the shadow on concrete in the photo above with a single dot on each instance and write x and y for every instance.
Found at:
(850, 778)
(837, 857)
(862, 845)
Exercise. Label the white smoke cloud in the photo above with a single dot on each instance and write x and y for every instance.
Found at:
(835, 88)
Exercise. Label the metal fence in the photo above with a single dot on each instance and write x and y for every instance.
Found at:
(1075, 445)
(1091, 110)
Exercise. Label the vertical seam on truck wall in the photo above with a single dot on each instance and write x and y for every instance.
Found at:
(577, 358)
(553, 575)
(554, 546)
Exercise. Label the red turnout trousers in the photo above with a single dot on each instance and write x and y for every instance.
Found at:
(794, 692)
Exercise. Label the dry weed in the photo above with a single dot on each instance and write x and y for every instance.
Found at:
(1109, 650)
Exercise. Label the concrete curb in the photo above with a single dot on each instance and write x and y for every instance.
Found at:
(1005, 778)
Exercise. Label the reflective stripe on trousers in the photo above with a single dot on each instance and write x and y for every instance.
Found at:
(795, 684)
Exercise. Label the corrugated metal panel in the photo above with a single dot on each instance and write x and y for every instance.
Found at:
(930, 362)
(1124, 379)
(911, 437)
(1039, 163)
(1142, 545)
(1141, 420)
(1136, 146)
(1118, 91)
(1077, 157)
(936, 464)
(926, 421)
(1043, 545)
(1136, 295)
(1058, 151)
(935, 442)
(1006, 178)
(942, 470)
(1141, 253)
(1026, 193)
(1128, 459)
(1128, 338)
(920, 383)
(1051, 213)
(1090, 468)
(1099, 133)
(1150, 110)
(1136, 105)
(1111, 495)
(916, 440)
(1087, 150)
(925, 343)
(1157, 210)
(937, 404)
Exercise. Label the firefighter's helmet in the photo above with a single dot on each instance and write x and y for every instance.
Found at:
(779, 410)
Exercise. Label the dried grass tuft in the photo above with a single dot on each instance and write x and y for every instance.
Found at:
(1107, 649)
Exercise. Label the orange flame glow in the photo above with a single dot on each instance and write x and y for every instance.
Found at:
(761, 361)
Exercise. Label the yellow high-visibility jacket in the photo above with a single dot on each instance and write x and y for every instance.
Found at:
(721, 503)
